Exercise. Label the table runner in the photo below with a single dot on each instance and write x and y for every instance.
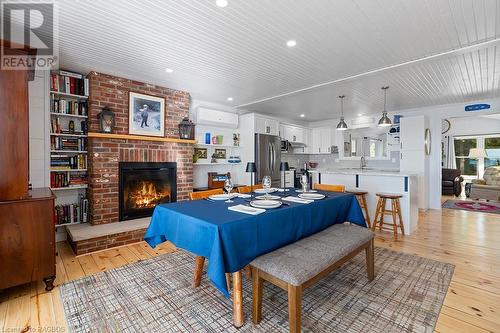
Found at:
(231, 240)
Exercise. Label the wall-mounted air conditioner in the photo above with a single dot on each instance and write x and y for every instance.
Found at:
(211, 117)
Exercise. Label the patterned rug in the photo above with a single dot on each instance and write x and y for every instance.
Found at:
(473, 206)
(155, 295)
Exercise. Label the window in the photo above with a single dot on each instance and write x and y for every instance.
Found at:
(467, 165)
(492, 147)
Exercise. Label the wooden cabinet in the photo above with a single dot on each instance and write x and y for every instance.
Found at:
(27, 240)
(268, 126)
(14, 155)
(322, 140)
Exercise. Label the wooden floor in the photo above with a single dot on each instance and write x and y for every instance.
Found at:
(470, 241)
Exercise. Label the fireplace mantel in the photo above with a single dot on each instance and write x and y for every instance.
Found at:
(137, 137)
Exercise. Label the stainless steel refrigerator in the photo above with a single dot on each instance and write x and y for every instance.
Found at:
(268, 158)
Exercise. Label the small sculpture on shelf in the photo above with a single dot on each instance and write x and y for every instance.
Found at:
(214, 158)
(186, 129)
(106, 120)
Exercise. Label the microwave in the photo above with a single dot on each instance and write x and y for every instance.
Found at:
(285, 145)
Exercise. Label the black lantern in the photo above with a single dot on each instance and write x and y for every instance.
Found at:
(106, 120)
(186, 129)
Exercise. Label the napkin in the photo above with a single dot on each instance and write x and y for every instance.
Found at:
(246, 209)
(298, 200)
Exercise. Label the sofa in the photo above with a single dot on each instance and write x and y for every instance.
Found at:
(451, 182)
(487, 188)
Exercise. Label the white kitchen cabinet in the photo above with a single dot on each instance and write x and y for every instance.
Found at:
(267, 126)
(293, 133)
(322, 140)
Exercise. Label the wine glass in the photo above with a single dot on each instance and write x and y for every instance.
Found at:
(228, 186)
(266, 184)
(303, 181)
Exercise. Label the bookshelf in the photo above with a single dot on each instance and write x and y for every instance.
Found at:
(68, 126)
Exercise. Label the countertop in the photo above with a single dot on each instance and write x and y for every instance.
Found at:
(365, 172)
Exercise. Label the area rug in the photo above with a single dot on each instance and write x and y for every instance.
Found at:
(473, 206)
(155, 295)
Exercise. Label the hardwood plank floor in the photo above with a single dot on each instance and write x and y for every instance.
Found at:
(470, 241)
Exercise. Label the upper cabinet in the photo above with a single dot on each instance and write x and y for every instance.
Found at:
(294, 134)
(322, 140)
(268, 126)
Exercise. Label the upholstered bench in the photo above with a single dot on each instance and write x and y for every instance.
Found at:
(303, 263)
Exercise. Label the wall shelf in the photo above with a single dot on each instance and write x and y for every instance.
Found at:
(204, 145)
(220, 163)
(67, 170)
(67, 115)
(69, 135)
(69, 151)
(76, 187)
(68, 95)
(137, 137)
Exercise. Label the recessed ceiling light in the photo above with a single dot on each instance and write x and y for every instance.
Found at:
(360, 114)
(302, 115)
(169, 70)
(230, 99)
(221, 3)
(291, 43)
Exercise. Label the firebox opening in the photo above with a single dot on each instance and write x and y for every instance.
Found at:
(143, 185)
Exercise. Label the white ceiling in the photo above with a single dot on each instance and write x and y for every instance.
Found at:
(240, 50)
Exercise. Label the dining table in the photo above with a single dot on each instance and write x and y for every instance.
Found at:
(230, 240)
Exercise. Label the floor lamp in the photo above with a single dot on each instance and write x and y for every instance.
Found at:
(477, 153)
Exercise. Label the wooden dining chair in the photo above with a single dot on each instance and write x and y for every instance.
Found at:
(329, 188)
(204, 194)
(200, 261)
(248, 188)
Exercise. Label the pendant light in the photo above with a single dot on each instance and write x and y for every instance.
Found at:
(342, 126)
(385, 121)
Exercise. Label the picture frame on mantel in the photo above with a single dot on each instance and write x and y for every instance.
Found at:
(146, 115)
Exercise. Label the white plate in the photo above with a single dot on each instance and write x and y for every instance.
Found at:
(223, 196)
(311, 196)
(266, 204)
(308, 191)
(262, 191)
(268, 197)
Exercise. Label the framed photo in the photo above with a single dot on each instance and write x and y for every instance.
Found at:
(220, 154)
(146, 115)
(201, 153)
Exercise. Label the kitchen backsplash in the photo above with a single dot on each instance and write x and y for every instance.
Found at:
(330, 161)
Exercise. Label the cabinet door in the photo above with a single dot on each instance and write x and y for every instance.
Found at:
(272, 127)
(283, 132)
(260, 125)
(316, 141)
(326, 140)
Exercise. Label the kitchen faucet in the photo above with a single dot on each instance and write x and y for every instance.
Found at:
(362, 162)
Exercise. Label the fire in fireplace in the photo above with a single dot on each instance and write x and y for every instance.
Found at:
(143, 185)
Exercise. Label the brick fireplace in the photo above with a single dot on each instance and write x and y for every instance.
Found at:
(105, 154)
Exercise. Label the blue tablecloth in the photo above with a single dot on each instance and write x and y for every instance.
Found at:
(231, 240)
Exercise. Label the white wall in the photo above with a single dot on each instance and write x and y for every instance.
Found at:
(39, 141)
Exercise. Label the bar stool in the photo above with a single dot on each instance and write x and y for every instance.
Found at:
(361, 196)
(395, 212)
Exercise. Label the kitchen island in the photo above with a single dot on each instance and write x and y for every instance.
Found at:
(374, 181)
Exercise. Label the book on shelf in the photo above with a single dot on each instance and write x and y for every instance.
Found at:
(63, 179)
(69, 83)
(68, 162)
(64, 106)
(61, 143)
(72, 213)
